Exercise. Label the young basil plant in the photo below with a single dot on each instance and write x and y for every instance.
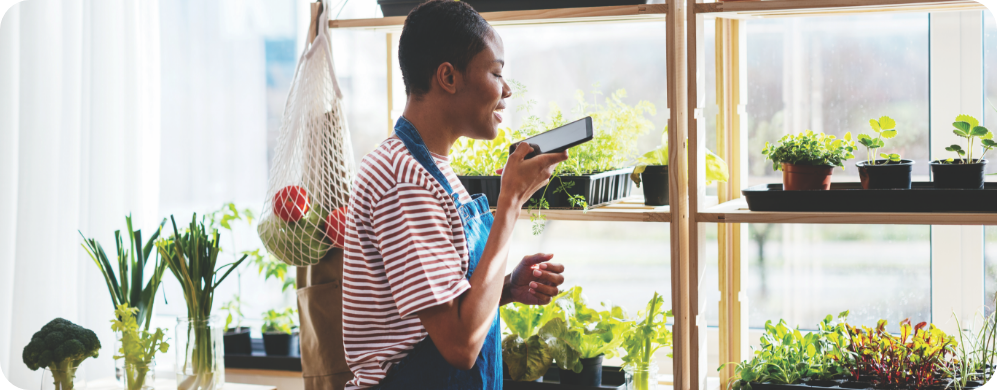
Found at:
(885, 128)
(969, 128)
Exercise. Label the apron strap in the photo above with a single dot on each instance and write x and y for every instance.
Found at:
(413, 142)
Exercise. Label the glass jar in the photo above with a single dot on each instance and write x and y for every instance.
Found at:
(139, 376)
(119, 364)
(200, 354)
(68, 379)
(642, 377)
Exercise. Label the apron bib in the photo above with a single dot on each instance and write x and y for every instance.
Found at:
(424, 367)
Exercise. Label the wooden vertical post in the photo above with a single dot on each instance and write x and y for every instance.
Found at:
(684, 294)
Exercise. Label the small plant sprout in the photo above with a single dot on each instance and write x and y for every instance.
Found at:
(969, 128)
(885, 128)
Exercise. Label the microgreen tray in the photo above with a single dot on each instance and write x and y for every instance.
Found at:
(850, 197)
(597, 189)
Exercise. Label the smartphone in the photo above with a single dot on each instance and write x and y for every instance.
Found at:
(559, 139)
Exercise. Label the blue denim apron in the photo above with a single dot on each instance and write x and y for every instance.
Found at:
(425, 367)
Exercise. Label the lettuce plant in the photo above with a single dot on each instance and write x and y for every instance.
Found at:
(969, 128)
(523, 350)
(885, 128)
(583, 332)
(908, 360)
(809, 148)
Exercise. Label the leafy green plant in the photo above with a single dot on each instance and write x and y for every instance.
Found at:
(192, 257)
(125, 284)
(909, 360)
(885, 128)
(233, 312)
(267, 265)
(138, 347)
(583, 332)
(648, 334)
(974, 354)
(809, 148)
(523, 350)
(60, 346)
(716, 168)
(279, 321)
(969, 128)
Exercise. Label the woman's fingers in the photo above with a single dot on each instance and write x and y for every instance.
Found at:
(552, 267)
(542, 289)
(550, 278)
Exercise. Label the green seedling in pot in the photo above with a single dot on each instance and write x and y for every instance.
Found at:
(885, 128)
(969, 128)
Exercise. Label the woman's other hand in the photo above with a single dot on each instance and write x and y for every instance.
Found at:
(521, 177)
(535, 281)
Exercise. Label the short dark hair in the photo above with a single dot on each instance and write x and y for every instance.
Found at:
(435, 32)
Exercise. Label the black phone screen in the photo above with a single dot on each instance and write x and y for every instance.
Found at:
(561, 138)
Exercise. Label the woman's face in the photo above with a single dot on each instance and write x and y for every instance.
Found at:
(483, 95)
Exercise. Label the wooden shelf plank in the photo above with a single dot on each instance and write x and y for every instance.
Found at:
(630, 209)
(736, 211)
(545, 16)
(796, 8)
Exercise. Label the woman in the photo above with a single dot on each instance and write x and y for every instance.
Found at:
(425, 262)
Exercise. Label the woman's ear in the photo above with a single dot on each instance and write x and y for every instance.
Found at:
(446, 77)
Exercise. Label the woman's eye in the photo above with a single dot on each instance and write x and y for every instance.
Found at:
(497, 75)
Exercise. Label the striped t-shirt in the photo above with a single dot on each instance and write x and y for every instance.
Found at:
(405, 252)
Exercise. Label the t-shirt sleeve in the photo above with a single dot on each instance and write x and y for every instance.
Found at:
(413, 235)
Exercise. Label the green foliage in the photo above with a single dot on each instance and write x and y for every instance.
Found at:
(267, 265)
(138, 347)
(648, 334)
(525, 353)
(233, 312)
(716, 168)
(482, 157)
(583, 332)
(908, 360)
(535, 207)
(809, 148)
(885, 128)
(60, 346)
(973, 354)
(787, 355)
(126, 283)
(969, 128)
(279, 321)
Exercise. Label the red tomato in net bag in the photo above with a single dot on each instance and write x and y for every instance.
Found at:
(291, 203)
(335, 227)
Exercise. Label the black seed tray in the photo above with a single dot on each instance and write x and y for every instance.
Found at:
(612, 378)
(402, 7)
(598, 189)
(850, 197)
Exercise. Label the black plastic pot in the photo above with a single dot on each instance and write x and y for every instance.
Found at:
(654, 181)
(280, 344)
(237, 341)
(958, 175)
(591, 374)
(597, 189)
(402, 7)
(884, 175)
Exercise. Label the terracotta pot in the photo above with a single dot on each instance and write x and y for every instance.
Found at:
(806, 177)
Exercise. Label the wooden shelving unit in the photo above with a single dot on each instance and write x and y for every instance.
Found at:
(797, 8)
(630, 209)
(736, 211)
(620, 13)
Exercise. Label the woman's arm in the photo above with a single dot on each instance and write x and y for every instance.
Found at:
(458, 328)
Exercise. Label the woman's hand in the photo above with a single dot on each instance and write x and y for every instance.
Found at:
(534, 281)
(521, 177)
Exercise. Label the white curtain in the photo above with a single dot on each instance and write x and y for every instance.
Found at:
(79, 149)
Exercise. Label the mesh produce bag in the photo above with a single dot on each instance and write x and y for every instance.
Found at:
(305, 212)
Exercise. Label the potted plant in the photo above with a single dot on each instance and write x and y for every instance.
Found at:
(133, 288)
(138, 349)
(192, 257)
(645, 337)
(279, 336)
(966, 171)
(236, 339)
(60, 347)
(888, 172)
(402, 7)
(652, 171)
(908, 360)
(581, 338)
(808, 159)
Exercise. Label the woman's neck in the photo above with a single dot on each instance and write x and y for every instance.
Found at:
(437, 132)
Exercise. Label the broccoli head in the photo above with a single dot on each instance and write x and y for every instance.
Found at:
(60, 346)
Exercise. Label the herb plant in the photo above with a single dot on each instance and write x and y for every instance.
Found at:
(885, 128)
(809, 148)
(648, 334)
(969, 128)
(127, 284)
(192, 257)
(909, 360)
(233, 312)
(138, 347)
(716, 168)
(975, 353)
(281, 321)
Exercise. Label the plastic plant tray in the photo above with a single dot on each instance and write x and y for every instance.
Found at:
(598, 189)
(850, 197)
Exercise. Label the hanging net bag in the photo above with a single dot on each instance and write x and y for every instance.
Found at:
(305, 212)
